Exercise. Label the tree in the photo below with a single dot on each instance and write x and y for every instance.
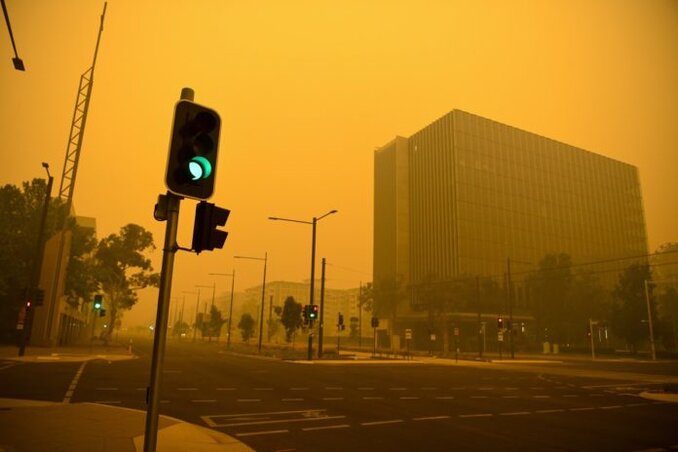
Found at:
(81, 278)
(665, 268)
(630, 305)
(212, 327)
(246, 326)
(122, 268)
(180, 328)
(291, 317)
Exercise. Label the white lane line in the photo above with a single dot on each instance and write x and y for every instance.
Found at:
(373, 398)
(225, 389)
(560, 410)
(248, 400)
(409, 398)
(393, 421)
(74, 383)
(429, 418)
(610, 407)
(445, 397)
(106, 389)
(515, 413)
(325, 427)
(268, 432)
(334, 388)
(292, 399)
(263, 389)
(541, 397)
(590, 408)
(365, 389)
(476, 415)
(204, 400)
(332, 398)
(108, 401)
(187, 389)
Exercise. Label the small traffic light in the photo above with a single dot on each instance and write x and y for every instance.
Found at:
(28, 304)
(98, 302)
(192, 160)
(313, 312)
(500, 323)
(39, 297)
(102, 313)
(208, 217)
(375, 322)
(340, 320)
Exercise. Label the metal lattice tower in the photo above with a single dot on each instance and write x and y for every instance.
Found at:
(78, 127)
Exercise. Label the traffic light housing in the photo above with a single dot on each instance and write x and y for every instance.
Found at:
(102, 313)
(98, 302)
(500, 323)
(375, 322)
(340, 320)
(192, 159)
(313, 312)
(208, 218)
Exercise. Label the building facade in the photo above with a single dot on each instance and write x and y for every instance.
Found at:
(464, 195)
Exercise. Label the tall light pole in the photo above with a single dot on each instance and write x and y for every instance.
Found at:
(263, 294)
(649, 319)
(37, 263)
(230, 309)
(313, 223)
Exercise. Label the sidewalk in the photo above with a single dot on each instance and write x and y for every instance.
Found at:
(32, 425)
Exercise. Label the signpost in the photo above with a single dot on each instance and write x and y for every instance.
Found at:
(408, 337)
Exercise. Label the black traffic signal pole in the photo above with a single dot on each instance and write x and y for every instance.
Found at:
(160, 334)
(322, 309)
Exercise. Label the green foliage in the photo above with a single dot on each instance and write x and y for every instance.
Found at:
(212, 327)
(366, 297)
(630, 305)
(246, 326)
(123, 268)
(180, 328)
(353, 327)
(291, 317)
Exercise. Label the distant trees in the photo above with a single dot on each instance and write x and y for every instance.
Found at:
(291, 317)
(246, 327)
(630, 306)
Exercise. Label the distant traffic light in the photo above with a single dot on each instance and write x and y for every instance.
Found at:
(500, 323)
(192, 160)
(340, 321)
(98, 302)
(208, 217)
(375, 322)
(102, 313)
(313, 312)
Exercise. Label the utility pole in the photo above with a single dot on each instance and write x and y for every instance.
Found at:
(649, 321)
(230, 312)
(510, 307)
(360, 316)
(270, 317)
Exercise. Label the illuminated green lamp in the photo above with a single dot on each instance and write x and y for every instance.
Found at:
(200, 168)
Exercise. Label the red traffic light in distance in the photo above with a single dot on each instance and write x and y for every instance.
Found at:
(500, 323)
(192, 159)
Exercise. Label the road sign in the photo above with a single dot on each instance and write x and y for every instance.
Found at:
(456, 331)
(500, 336)
(408, 333)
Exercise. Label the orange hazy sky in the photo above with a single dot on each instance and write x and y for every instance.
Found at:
(306, 91)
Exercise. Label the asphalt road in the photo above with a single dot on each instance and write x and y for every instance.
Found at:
(282, 406)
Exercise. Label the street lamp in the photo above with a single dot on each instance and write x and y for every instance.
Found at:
(313, 223)
(263, 294)
(230, 309)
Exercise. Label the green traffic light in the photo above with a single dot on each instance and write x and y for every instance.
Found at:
(200, 168)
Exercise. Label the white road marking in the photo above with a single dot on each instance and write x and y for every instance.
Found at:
(582, 409)
(237, 420)
(393, 421)
(610, 407)
(333, 398)
(325, 427)
(373, 398)
(297, 399)
(365, 389)
(74, 383)
(541, 397)
(298, 389)
(429, 418)
(248, 400)
(485, 389)
(515, 413)
(269, 432)
(551, 411)
(476, 415)
(510, 397)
